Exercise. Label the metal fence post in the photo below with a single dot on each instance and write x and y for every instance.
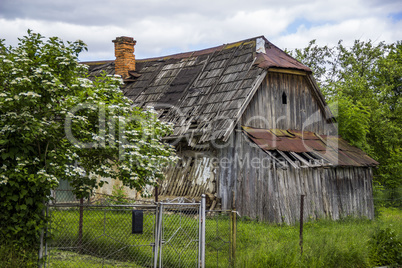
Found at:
(158, 235)
(46, 232)
(40, 257)
(199, 235)
(202, 234)
(301, 222)
(233, 216)
(234, 233)
(80, 225)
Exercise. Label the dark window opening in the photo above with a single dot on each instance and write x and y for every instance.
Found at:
(312, 155)
(284, 98)
(290, 156)
(194, 124)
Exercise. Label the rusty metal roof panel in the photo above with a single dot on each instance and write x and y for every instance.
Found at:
(333, 149)
(337, 158)
(267, 145)
(316, 145)
(261, 134)
(275, 57)
(361, 158)
(287, 144)
(341, 144)
(345, 159)
(305, 135)
(281, 132)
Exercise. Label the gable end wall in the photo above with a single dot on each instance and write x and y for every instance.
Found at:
(301, 110)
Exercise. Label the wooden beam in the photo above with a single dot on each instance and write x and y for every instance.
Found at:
(290, 161)
(301, 159)
(287, 71)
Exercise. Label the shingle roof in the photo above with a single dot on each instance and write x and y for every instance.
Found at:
(203, 92)
(332, 149)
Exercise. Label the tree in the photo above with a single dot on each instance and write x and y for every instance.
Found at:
(364, 82)
(56, 123)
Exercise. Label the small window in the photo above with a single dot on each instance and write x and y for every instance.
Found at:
(284, 98)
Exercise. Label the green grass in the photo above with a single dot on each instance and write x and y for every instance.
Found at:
(326, 243)
(343, 243)
(67, 259)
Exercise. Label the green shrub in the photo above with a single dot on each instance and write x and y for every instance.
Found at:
(118, 197)
(12, 256)
(385, 247)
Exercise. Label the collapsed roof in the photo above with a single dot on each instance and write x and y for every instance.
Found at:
(308, 149)
(204, 93)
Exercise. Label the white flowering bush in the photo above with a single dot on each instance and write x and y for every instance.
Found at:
(55, 124)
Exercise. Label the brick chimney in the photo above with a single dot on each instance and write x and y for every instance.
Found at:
(124, 52)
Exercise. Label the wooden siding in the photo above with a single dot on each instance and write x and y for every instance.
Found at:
(192, 176)
(271, 193)
(301, 111)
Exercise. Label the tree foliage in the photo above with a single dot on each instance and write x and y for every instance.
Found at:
(363, 85)
(56, 123)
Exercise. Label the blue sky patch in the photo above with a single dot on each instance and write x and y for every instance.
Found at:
(292, 28)
(396, 16)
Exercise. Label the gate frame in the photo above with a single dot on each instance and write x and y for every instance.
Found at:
(201, 229)
(157, 243)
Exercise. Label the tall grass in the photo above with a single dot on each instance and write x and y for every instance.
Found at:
(12, 256)
(344, 243)
(326, 243)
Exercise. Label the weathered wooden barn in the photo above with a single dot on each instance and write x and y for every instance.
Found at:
(252, 129)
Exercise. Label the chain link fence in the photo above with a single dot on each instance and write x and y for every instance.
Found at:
(142, 234)
(220, 242)
(103, 236)
(109, 236)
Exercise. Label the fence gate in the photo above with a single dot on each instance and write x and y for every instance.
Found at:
(180, 234)
(165, 234)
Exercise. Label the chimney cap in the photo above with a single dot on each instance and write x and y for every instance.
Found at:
(124, 39)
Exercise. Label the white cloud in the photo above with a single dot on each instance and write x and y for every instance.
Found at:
(349, 30)
(166, 27)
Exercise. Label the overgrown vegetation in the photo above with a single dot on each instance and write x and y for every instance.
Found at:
(385, 247)
(344, 243)
(56, 123)
(12, 255)
(349, 242)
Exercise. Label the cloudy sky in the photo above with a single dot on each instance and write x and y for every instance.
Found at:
(167, 27)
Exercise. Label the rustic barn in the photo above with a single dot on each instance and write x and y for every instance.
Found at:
(252, 129)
